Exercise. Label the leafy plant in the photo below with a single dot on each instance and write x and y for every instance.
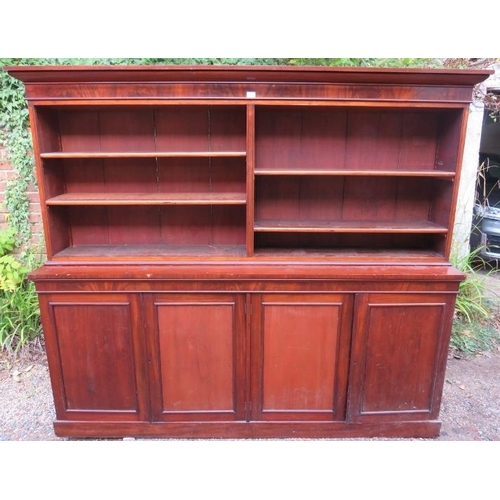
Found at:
(474, 328)
(19, 310)
(472, 303)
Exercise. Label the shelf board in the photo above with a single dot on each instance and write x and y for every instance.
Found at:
(372, 173)
(365, 255)
(114, 199)
(96, 252)
(139, 154)
(376, 227)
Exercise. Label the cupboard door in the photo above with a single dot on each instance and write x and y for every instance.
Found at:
(400, 344)
(197, 351)
(300, 354)
(96, 355)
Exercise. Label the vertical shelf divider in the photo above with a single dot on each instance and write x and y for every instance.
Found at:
(250, 145)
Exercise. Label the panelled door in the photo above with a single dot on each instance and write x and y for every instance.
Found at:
(97, 356)
(300, 356)
(196, 355)
(400, 344)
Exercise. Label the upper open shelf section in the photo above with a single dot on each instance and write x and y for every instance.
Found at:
(240, 163)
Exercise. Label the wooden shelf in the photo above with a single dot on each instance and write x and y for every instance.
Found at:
(115, 199)
(138, 154)
(376, 227)
(364, 255)
(94, 252)
(372, 173)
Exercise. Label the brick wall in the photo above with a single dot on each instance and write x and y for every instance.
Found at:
(7, 174)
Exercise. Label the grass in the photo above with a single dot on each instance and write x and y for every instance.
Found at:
(473, 337)
(475, 328)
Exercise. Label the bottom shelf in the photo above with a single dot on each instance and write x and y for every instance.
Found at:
(149, 251)
(238, 252)
(351, 254)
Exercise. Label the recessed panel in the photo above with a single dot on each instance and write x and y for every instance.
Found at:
(196, 343)
(400, 363)
(300, 356)
(96, 352)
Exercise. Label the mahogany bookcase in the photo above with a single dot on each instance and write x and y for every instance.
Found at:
(247, 251)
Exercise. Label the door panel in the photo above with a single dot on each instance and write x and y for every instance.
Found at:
(197, 355)
(399, 342)
(97, 356)
(300, 349)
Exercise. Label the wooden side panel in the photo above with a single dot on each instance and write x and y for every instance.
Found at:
(197, 348)
(399, 356)
(300, 357)
(96, 356)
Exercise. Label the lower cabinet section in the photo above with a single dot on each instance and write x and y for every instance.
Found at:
(259, 364)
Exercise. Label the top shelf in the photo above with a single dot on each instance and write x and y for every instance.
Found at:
(147, 154)
(443, 174)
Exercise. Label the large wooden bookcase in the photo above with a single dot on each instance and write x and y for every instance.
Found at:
(247, 251)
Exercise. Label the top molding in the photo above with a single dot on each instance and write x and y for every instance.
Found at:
(234, 82)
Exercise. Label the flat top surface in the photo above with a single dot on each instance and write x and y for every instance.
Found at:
(249, 270)
(98, 73)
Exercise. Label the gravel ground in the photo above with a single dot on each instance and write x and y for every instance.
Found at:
(470, 408)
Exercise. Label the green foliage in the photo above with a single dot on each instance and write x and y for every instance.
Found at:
(472, 303)
(15, 136)
(11, 271)
(368, 62)
(474, 328)
(19, 311)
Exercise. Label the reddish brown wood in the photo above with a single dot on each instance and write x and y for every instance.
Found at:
(196, 345)
(299, 372)
(127, 199)
(399, 345)
(247, 251)
(97, 356)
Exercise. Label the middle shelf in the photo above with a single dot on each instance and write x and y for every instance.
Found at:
(341, 226)
(116, 199)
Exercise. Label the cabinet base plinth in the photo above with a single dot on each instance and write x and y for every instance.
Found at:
(243, 430)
